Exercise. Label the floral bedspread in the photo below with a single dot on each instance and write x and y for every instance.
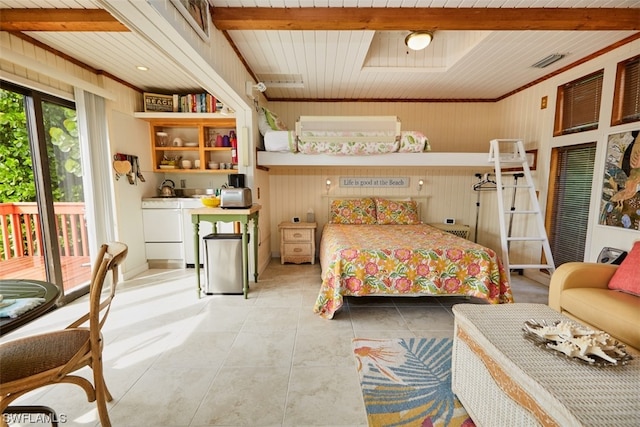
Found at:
(361, 143)
(360, 260)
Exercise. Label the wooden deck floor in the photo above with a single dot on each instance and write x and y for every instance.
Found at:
(75, 270)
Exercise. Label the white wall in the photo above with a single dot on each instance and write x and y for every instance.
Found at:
(521, 116)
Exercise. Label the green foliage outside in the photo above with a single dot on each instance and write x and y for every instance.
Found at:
(17, 182)
(16, 174)
(16, 167)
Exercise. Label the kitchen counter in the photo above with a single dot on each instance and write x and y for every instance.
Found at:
(226, 211)
(241, 215)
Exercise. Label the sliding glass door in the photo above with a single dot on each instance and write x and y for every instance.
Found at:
(42, 208)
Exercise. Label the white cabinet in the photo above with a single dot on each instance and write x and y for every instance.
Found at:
(163, 231)
(168, 229)
(168, 251)
(162, 225)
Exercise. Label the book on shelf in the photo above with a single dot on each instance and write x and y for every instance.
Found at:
(181, 103)
(197, 103)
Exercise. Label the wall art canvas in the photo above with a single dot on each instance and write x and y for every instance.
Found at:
(196, 12)
(620, 204)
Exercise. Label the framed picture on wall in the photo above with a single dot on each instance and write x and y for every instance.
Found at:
(196, 12)
(620, 203)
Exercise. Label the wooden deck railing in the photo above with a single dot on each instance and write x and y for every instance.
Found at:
(21, 235)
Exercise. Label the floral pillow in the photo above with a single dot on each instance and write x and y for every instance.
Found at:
(397, 212)
(353, 211)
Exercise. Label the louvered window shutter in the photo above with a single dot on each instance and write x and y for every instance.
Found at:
(626, 106)
(572, 197)
(578, 105)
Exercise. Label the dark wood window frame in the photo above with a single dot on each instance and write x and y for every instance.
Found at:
(626, 95)
(578, 104)
(561, 217)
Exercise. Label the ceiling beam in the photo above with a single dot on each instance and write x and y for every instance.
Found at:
(59, 20)
(397, 19)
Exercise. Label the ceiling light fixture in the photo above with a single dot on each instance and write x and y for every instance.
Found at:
(418, 40)
(545, 62)
(142, 68)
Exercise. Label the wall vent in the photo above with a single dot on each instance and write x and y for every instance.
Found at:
(545, 62)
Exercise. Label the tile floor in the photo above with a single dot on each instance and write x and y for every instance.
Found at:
(172, 359)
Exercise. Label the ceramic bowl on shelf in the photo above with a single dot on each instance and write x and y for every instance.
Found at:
(213, 165)
(190, 144)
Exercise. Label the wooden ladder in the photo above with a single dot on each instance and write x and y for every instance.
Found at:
(514, 155)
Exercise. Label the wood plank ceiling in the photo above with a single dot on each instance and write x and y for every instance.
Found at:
(332, 50)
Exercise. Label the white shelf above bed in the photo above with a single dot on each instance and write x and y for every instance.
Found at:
(271, 159)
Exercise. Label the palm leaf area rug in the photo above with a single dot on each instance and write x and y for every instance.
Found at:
(407, 382)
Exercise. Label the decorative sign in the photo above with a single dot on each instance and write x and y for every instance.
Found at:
(387, 182)
(156, 103)
(196, 12)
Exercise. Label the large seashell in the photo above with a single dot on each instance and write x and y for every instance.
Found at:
(577, 341)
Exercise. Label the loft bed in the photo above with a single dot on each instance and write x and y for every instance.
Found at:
(375, 246)
(355, 141)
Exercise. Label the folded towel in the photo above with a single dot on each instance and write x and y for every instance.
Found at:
(18, 306)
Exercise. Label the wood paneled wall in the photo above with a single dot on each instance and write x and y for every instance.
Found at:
(446, 193)
(43, 83)
(450, 127)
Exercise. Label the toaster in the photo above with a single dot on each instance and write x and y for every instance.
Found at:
(235, 198)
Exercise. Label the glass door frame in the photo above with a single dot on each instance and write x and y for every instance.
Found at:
(33, 105)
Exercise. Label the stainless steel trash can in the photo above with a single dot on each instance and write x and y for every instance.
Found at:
(223, 264)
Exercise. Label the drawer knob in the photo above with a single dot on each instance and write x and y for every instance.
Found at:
(297, 250)
(297, 235)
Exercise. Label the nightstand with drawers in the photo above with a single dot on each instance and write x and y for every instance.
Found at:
(297, 242)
